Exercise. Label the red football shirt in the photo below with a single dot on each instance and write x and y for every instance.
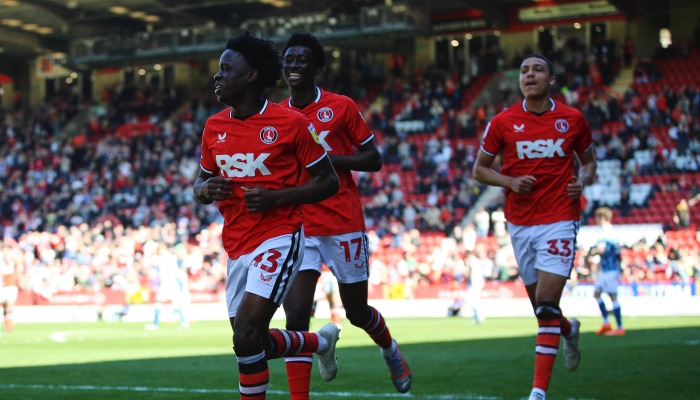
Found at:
(542, 146)
(341, 130)
(270, 149)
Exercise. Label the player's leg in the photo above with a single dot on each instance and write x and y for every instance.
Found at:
(251, 344)
(347, 256)
(369, 319)
(257, 285)
(251, 304)
(549, 250)
(9, 322)
(8, 297)
(525, 255)
(617, 312)
(179, 311)
(547, 292)
(603, 310)
(475, 296)
(3, 309)
(297, 307)
(157, 308)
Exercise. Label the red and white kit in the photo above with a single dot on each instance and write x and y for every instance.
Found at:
(542, 146)
(270, 149)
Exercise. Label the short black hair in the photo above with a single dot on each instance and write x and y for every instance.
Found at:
(309, 41)
(261, 54)
(550, 66)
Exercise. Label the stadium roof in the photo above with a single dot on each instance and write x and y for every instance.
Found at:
(31, 27)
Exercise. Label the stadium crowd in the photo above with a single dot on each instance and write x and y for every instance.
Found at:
(87, 211)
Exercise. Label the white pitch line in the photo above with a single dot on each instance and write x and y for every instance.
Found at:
(232, 391)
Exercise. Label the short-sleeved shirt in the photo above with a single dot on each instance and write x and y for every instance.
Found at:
(610, 258)
(270, 149)
(341, 130)
(541, 145)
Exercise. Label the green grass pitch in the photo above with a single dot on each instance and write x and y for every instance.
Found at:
(451, 359)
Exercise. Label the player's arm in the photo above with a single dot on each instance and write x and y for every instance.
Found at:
(586, 173)
(483, 173)
(367, 158)
(589, 166)
(209, 188)
(322, 185)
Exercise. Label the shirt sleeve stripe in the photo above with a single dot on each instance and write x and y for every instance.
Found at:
(318, 160)
(364, 142)
(484, 150)
(206, 170)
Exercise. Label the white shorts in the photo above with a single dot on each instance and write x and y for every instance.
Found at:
(267, 272)
(548, 247)
(8, 295)
(607, 282)
(345, 255)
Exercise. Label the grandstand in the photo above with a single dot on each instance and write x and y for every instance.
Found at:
(103, 104)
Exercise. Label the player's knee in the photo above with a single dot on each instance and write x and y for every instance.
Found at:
(547, 311)
(245, 338)
(298, 320)
(297, 317)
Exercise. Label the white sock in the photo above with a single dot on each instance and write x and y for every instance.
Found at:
(391, 349)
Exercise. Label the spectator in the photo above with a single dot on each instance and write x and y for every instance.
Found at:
(681, 215)
(482, 222)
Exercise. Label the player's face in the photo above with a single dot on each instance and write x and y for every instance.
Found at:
(299, 67)
(233, 77)
(535, 80)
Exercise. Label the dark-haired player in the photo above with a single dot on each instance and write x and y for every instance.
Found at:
(335, 227)
(539, 141)
(253, 154)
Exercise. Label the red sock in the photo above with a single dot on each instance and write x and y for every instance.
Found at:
(291, 343)
(376, 329)
(299, 375)
(565, 326)
(547, 346)
(253, 376)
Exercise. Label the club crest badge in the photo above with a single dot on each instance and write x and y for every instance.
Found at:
(325, 114)
(268, 135)
(561, 125)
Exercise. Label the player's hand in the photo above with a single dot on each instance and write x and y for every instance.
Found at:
(217, 188)
(258, 199)
(574, 188)
(522, 184)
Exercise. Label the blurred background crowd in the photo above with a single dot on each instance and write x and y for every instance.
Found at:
(103, 207)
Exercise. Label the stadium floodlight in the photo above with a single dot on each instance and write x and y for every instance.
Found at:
(118, 10)
(13, 22)
(30, 27)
